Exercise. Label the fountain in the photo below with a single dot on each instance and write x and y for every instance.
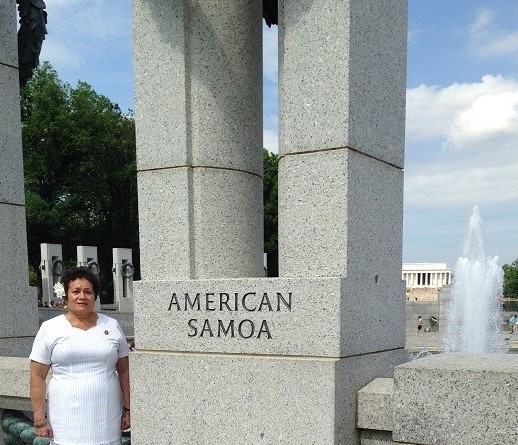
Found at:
(474, 313)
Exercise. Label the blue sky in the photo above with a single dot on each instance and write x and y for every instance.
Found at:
(462, 109)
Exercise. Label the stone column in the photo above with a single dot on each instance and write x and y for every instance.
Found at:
(87, 257)
(198, 81)
(19, 314)
(198, 70)
(123, 279)
(51, 268)
(342, 109)
(342, 71)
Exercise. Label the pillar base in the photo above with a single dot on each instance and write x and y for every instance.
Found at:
(227, 399)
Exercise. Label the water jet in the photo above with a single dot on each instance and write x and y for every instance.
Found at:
(474, 313)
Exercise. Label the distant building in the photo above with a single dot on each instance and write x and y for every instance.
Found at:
(424, 281)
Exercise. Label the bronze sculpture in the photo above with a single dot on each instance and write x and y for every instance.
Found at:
(33, 21)
(270, 12)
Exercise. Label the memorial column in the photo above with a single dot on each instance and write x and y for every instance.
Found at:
(19, 314)
(342, 77)
(198, 71)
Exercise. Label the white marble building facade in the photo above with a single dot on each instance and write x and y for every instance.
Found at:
(422, 275)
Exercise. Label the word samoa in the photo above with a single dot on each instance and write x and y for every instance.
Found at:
(230, 302)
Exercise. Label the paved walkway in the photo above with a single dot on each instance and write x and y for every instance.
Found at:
(433, 341)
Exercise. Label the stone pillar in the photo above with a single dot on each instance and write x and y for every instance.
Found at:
(198, 70)
(342, 71)
(198, 81)
(238, 359)
(87, 257)
(123, 279)
(51, 267)
(342, 108)
(19, 314)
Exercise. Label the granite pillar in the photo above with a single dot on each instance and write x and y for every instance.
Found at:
(198, 70)
(122, 271)
(222, 355)
(342, 70)
(18, 317)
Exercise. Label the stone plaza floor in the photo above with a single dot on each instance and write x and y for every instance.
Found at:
(433, 342)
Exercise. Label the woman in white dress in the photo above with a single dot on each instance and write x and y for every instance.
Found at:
(88, 393)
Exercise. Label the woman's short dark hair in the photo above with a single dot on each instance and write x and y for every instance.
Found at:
(74, 273)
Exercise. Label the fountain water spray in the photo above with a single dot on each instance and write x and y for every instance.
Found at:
(475, 312)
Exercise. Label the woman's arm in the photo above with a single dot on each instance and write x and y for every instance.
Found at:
(123, 372)
(38, 391)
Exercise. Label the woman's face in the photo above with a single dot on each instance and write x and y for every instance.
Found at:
(80, 296)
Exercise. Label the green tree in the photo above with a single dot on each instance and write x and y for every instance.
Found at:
(80, 169)
(270, 197)
(511, 279)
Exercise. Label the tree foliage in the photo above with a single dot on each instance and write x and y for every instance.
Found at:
(80, 170)
(511, 279)
(271, 162)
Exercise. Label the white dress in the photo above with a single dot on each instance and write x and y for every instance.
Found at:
(84, 394)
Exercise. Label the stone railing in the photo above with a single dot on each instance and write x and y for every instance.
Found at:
(18, 430)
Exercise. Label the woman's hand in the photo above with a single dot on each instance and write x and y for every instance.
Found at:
(44, 431)
(125, 421)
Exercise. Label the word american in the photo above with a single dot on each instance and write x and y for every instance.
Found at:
(230, 302)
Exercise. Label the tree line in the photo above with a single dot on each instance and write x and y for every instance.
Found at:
(511, 279)
(79, 155)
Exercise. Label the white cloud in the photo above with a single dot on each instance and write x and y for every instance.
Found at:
(450, 184)
(491, 118)
(487, 40)
(465, 114)
(477, 127)
(482, 21)
(428, 111)
(502, 45)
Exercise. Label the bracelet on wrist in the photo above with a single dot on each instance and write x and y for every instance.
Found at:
(40, 423)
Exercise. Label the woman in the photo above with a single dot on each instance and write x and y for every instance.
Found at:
(88, 393)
